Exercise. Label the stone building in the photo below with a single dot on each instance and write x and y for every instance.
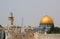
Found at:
(2, 33)
(46, 24)
(17, 32)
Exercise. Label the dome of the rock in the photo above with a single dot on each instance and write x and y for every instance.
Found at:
(46, 24)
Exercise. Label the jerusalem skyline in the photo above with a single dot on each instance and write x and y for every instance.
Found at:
(31, 11)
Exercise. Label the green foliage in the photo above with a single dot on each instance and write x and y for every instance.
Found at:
(56, 30)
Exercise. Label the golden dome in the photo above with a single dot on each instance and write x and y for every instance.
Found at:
(46, 20)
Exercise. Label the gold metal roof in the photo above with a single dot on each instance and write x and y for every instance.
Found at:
(46, 20)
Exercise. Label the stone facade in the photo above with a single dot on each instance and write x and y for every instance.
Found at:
(46, 36)
(13, 32)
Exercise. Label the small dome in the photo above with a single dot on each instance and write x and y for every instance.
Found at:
(46, 20)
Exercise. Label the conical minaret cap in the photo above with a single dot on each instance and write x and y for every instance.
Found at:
(11, 14)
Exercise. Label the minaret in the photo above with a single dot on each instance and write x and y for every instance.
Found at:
(11, 19)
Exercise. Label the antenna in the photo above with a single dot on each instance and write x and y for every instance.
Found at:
(46, 13)
(22, 22)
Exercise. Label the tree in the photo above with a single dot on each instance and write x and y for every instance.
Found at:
(56, 30)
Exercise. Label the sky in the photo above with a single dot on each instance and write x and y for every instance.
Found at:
(31, 11)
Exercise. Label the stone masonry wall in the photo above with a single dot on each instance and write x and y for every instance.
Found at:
(49, 36)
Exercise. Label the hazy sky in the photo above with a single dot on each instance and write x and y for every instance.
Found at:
(31, 10)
